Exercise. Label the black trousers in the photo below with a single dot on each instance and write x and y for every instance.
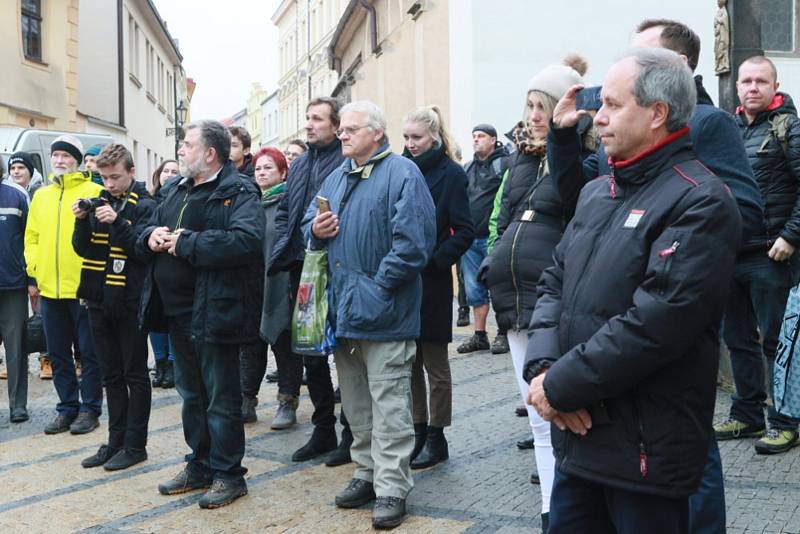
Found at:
(254, 365)
(121, 350)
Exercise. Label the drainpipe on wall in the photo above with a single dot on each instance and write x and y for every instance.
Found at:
(120, 67)
(373, 25)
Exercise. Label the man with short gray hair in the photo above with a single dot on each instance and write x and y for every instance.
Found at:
(624, 343)
(379, 234)
(204, 244)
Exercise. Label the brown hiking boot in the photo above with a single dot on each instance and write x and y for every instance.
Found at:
(45, 370)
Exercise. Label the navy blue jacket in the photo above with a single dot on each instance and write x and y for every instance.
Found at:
(387, 231)
(13, 216)
(304, 180)
(715, 139)
(628, 321)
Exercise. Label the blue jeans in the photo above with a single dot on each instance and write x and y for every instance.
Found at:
(707, 504)
(207, 379)
(65, 320)
(162, 346)
(477, 294)
(755, 306)
(577, 505)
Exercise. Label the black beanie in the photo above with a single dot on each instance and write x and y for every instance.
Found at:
(69, 144)
(21, 157)
(488, 129)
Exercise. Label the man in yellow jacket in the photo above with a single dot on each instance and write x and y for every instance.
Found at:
(52, 262)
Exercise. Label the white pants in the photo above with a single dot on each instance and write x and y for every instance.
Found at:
(545, 461)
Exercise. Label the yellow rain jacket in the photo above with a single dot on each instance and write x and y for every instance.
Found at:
(48, 235)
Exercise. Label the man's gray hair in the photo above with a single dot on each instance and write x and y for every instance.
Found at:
(665, 77)
(214, 135)
(376, 120)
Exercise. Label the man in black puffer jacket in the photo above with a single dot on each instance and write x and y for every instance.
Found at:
(624, 347)
(765, 268)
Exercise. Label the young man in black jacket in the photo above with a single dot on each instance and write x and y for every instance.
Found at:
(111, 284)
(624, 347)
(766, 267)
(205, 245)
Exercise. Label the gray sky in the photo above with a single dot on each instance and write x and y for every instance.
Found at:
(226, 45)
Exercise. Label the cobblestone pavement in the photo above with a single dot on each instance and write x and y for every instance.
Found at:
(484, 486)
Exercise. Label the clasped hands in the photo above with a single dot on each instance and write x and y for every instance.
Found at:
(162, 239)
(578, 422)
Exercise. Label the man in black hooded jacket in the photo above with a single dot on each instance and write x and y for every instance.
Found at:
(625, 335)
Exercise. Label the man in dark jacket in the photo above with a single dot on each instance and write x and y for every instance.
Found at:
(717, 143)
(207, 269)
(240, 151)
(306, 175)
(105, 234)
(379, 235)
(14, 284)
(764, 269)
(484, 174)
(625, 335)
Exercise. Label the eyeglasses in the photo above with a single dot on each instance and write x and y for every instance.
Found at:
(350, 131)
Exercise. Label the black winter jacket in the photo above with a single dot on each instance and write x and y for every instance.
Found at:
(454, 234)
(227, 257)
(303, 182)
(122, 233)
(628, 320)
(777, 172)
(484, 179)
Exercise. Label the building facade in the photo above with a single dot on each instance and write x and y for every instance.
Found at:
(305, 28)
(253, 121)
(131, 78)
(40, 56)
(270, 125)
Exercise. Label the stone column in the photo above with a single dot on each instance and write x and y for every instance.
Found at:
(745, 38)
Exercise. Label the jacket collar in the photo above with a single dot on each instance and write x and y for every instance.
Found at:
(71, 179)
(316, 149)
(778, 102)
(702, 95)
(650, 163)
(366, 169)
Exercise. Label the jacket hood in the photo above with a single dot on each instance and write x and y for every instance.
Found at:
(650, 163)
(781, 104)
(499, 152)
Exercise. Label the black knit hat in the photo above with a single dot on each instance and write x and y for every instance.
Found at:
(488, 129)
(21, 157)
(69, 144)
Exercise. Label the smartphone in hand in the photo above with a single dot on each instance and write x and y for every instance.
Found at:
(589, 98)
(323, 204)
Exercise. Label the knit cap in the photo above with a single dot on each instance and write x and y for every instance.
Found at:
(69, 144)
(21, 157)
(555, 80)
(94, 150)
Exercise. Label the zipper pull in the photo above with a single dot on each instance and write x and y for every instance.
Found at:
(669, 251)
(613, 185)
(642, 459)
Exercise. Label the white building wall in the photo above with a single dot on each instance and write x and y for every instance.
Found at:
(494, 52)
(270, 128)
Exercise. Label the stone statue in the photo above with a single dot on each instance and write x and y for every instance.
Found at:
(722, 39)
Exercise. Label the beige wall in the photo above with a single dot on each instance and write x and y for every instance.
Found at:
(46, 93)
(254, 118)
(412, 69)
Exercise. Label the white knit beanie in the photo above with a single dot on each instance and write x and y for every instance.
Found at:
(555, 80)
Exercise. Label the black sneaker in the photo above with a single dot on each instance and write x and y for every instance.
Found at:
(60, 424)
(84, 423)
(357, 493)
(223, 492)
(388, 512)
(185, 481)
(500, 344)
(103, 454)
(463, 317)
(474, 344)
(321, 441)
(125, 459)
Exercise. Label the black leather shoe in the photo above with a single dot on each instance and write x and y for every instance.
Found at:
(185, 481)
(249, 409)
(60, 424)
(545, 522)
(525, 444)
(420, 435)
(321, 441)
(463, 317)
(84, 423)
(521, 411)
(223, 492)
(434, 451)
(19, 417)
(125, 459)
(341, 455)
(103, 454)
(158, 376)
(169, 376)
(535, 477)
(388, 512)
(357, 493)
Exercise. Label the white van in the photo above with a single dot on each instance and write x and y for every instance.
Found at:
(37, 144)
